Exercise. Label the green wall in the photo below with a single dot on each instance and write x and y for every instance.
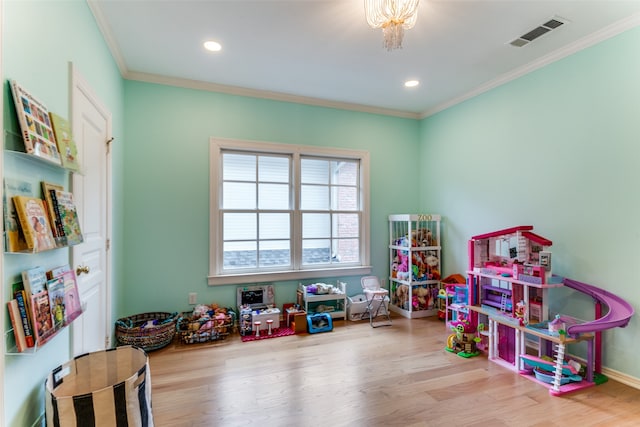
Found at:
(39, 39)
(167, 182)
(557, 149)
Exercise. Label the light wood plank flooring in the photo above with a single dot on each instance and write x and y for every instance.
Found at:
(359, 376)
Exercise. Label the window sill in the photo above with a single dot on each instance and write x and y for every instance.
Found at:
(281, 276)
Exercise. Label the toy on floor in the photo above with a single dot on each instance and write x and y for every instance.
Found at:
(463, 340)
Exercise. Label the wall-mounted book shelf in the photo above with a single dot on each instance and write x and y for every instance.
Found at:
(12, 350)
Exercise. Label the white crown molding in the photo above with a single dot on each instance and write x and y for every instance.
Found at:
(583, 43)
(255, 93)
(588, 41)
(107, 34)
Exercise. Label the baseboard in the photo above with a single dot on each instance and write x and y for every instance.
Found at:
(622, 377)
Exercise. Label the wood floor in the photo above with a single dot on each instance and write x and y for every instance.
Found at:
(359, 376)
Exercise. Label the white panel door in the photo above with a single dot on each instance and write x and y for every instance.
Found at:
(91, 123)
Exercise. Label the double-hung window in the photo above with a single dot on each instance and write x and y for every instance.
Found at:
(287, 212)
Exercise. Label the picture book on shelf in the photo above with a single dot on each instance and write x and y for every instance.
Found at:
(55, 287)
(41, 315)
(14, 238)
(34, 280)
(35, 124)
(24, 306)
(66, 144)
(72, 305)
(34, 222)
(16, 324)
(69, 217)
(51, 202)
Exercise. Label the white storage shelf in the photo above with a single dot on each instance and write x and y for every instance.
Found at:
(336, 300)
(414, 259)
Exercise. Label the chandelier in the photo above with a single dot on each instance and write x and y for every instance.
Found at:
(393, 16)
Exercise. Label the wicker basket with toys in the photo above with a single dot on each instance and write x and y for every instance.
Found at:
(206, 323)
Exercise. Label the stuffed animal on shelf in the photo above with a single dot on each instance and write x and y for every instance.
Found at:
(402, 296)
(424, 298)
(432, 266)
(403, 272)
(394, 267)
(422, 237)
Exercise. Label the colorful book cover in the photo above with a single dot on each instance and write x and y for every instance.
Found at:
(66, 144)
(23, 307)
(16, 324)
(42, 319)
(34, 280)
(69, 217)
(34, 222)
(72, 304)
(55, 287)
(14, 238)
(51, 200)
(37, 132)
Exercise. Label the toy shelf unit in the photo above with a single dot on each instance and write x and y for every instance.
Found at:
(324, 298)
(414, 259)
(456, 303)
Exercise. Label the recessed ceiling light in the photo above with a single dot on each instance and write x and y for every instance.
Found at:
(212, 46)
(411, 83)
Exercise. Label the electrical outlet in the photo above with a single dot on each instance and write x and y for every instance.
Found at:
(192, 298)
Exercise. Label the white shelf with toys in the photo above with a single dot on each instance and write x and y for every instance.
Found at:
(325, 298)
(414, 259)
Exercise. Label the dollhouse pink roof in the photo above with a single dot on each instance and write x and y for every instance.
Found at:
(524, 229)
(536, 238)
(503, 232)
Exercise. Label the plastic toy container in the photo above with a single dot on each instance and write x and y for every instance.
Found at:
(320, 322)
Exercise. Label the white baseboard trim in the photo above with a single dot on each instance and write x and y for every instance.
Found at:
(622, 377)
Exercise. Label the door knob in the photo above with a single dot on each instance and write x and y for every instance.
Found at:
(82, 269)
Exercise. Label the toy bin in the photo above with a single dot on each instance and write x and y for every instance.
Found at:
(194, 329)
(149, 331)
(109, 387)
(357, 307)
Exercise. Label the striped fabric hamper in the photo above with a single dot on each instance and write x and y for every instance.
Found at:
(104, 388)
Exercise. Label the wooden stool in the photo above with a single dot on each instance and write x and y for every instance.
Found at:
(269, 323)
(256, 326)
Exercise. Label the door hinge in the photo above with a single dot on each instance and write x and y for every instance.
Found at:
(108, 244)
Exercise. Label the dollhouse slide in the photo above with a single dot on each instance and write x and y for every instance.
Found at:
(618, 315)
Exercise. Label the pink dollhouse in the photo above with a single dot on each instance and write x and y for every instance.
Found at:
(509, 277)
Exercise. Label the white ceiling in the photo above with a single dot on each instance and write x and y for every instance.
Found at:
(322, 51)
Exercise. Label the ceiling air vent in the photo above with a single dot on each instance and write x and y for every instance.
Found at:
(548, 26)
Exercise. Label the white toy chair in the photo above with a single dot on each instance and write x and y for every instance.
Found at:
(377, 298)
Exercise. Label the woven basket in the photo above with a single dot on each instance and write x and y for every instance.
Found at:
(134, 330)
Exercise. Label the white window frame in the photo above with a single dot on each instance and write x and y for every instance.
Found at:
(216, 275)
